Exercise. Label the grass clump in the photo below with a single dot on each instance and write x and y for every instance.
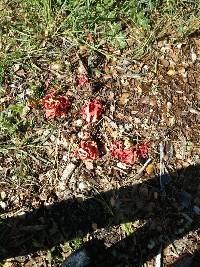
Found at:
(33, 26)
(11, 121)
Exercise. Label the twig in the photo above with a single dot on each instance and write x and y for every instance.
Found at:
(119, 169)
(140, 171)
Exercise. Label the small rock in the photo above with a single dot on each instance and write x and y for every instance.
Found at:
(53, 138)
(8, 264)
(145, 100)
(65, 157)
(179, 156)
(182, 71)
(25, 111)
(13, 85)
(121, 166)
(111, 96)
(3, 205)
(112, 108)
(153, 102)
(169, 106)
(124, 82)
(46, 33)
(145, 68)
(82, 186)
(179, 45)
(139, 89)
(20, 73)
(3, 195)
(193, 56)
(61, 186)
(127, 143)
(16, 67)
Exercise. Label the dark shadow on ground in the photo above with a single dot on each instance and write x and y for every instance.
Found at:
(63, 221)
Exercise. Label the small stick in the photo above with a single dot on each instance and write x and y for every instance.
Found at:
(119, 169)
(141, 170)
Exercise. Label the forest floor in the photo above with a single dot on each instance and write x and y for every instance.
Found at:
(125, 212)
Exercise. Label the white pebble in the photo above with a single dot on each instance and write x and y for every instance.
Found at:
(128, 126)
(82, 185)
(121, 166)
(3, 195)
(3, 205)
